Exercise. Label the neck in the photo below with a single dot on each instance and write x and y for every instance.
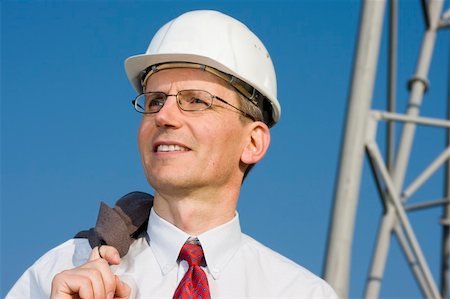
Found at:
(196, 213)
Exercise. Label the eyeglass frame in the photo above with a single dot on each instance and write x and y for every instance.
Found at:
(135, 102)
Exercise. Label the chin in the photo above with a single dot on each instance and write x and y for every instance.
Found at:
(163, 181)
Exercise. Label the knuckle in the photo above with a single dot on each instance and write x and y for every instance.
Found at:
(102, 262)
(61, 276)
(84, 280)
(58, 278)
(93, 272)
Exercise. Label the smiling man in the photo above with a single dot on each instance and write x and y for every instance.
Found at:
(207, 94)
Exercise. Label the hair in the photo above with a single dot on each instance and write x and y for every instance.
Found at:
(251, 109)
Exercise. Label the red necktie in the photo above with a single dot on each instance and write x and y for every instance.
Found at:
(194, 283)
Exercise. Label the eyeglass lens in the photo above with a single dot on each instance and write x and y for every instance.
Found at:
(188, 100)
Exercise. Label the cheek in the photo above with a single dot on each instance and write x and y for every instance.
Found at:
(226, 142)
(144, 133)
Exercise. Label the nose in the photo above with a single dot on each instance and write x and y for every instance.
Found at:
(169, 115)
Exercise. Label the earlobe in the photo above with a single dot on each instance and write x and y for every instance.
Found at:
(257, 145)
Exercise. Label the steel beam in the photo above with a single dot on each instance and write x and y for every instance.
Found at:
(445, 249)
(337, 265)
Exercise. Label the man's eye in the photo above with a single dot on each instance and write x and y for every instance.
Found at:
(156, 102)
(196, 101)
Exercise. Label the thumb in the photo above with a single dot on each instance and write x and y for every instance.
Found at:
(108, 253)
(123, 291)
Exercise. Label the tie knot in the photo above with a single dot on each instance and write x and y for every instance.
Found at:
(192, 254)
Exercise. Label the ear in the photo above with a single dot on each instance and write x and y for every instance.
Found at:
(257, 143)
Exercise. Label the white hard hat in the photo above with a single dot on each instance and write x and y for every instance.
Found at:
(213, 39)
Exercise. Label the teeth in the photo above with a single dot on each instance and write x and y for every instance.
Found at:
(170, 148)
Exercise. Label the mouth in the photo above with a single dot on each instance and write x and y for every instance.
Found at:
(164, 148)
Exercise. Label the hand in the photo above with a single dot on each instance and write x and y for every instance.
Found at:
(93, 279)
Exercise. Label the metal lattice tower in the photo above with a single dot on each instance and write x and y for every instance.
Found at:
(360, 137)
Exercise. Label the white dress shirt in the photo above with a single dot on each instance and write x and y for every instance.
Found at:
(237, 266)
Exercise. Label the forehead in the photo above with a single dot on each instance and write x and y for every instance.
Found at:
(180, 79)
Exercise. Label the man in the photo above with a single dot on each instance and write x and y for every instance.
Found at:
(208, 97)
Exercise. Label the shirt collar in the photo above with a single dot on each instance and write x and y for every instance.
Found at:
(219, 244)
(166, 241)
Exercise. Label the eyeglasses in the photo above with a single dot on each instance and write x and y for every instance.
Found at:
(187, 100)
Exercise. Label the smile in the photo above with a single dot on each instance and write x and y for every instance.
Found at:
(170, 148)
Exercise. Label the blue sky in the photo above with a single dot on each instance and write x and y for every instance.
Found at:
(68, 130)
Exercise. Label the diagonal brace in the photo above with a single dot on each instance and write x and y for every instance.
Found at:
(375, 154)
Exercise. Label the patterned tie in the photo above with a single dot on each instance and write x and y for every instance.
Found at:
(194, 283)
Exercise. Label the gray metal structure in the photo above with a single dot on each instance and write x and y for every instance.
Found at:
(360, 137)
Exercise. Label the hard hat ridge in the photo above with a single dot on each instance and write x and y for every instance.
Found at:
(217, 41)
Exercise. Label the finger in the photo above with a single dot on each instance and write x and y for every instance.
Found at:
(108, 253)
(66, 284)
(123, 291)
(97, 281)
(86, 282)
(110, 256)
(104, 282)
(91, 280)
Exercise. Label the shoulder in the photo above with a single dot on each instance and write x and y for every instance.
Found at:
(35, 282)
(287, 277)
(272, 258)
(73, 252)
